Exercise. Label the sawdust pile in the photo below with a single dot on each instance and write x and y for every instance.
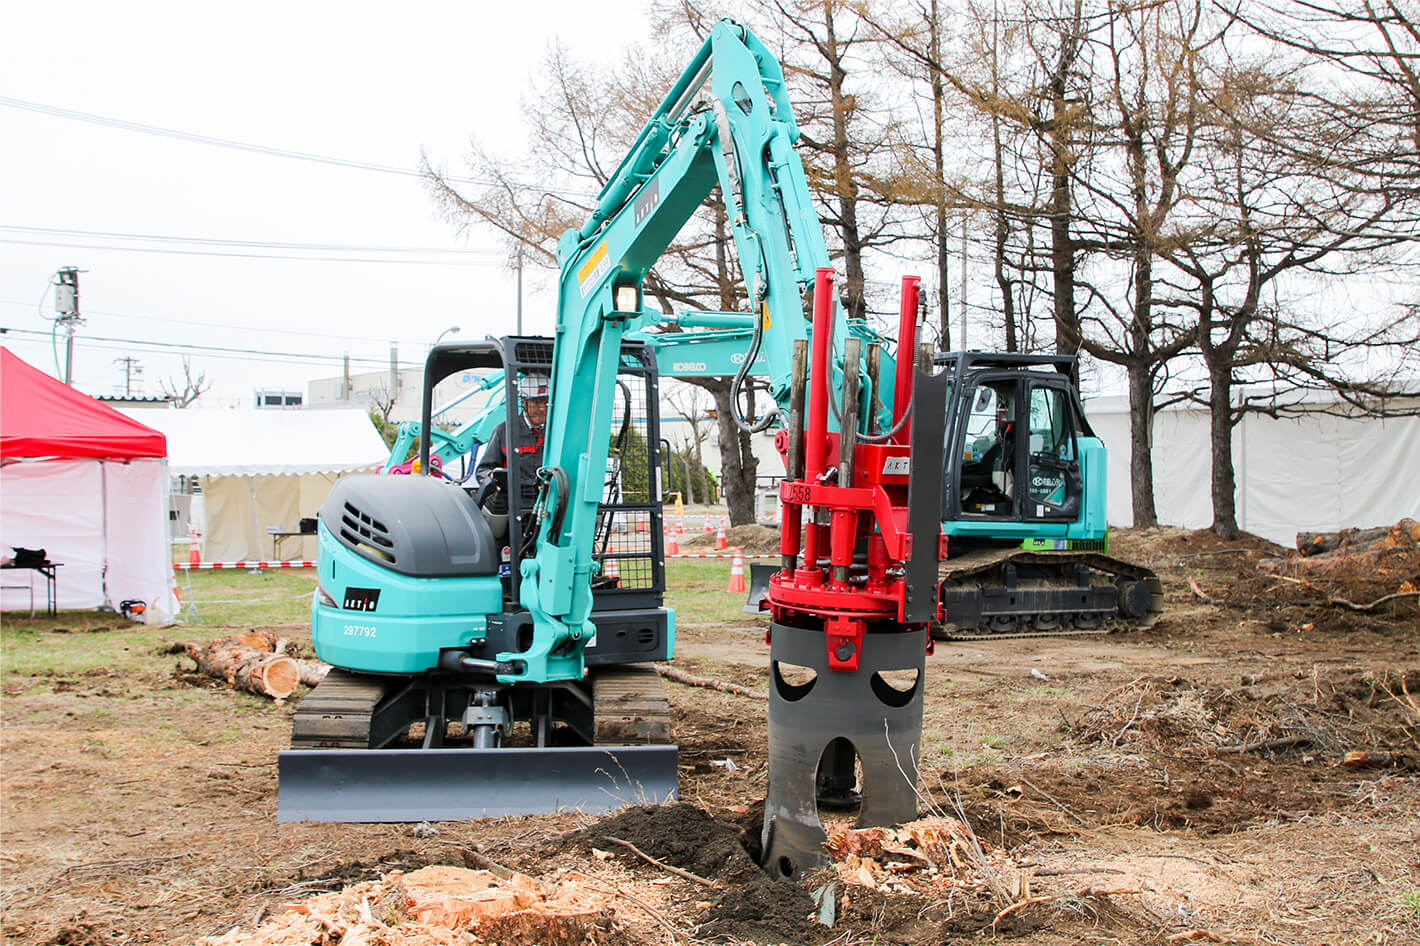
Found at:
(930, 855)
(435, 906)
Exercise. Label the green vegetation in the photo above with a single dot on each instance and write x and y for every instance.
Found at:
(83, 641)
(695, 588)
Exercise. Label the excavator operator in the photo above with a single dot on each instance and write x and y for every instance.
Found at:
(526, 439)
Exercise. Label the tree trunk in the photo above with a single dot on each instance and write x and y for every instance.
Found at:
(939, 165)
(738, 465)
(689, 479)
(1062, 246)
(1220, 436)
(1141, 456)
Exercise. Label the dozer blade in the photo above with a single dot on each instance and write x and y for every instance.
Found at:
(395, 785)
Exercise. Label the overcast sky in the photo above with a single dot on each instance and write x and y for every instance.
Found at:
(360, 81)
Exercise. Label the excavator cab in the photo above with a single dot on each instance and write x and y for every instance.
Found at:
(1017, 442)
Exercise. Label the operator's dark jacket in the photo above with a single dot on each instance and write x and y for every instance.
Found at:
(495, 452)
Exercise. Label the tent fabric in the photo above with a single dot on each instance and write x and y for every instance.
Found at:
(41, 416)
(238, 509)
(104, 520)
(252, 442)
(1315, 472)
(264, 468)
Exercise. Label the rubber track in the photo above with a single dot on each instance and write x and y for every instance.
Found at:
(630, 708)
(336, 714)
(1066, 561)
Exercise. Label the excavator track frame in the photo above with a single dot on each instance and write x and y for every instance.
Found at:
(1010, 608)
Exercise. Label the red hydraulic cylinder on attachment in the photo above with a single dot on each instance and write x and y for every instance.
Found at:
(859, 524)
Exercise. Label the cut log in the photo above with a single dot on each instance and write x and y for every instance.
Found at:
(247, 668)
(1404, 533)
(1363, 759)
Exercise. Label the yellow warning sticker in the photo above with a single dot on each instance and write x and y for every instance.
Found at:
(591, 272)
(765, 307)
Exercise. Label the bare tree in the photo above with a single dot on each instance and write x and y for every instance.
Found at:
(585, 121)
(689, 403)
(1277, 223)
(190, 389)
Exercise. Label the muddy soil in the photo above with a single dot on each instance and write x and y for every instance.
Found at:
(1180, 784)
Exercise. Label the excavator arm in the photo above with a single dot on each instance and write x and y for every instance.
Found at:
(740, 136)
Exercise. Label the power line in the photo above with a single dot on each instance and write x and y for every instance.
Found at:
(218, 349)
(327, 336)
(267, 256)
(57, 112)
(251, 244)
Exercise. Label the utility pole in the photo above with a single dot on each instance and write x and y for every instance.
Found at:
(131, 369)
(66, 303)
(345, 389)
(520, 289)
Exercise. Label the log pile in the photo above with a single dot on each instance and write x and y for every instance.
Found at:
(255, 661)
(1405, 533)
(436, 906)
(1351, 565)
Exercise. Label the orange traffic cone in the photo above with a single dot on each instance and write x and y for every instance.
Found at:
(611, 570)
(706, 530)
(680, 525)
(737, 574)
(194, 548)
(721, 540)
(672, 546)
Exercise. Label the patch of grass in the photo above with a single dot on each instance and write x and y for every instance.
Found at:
(241, 598)
(696, 589)
(51, 648)
(1409, 902)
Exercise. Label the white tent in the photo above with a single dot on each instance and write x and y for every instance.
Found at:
(264, 470)
(1315, 472)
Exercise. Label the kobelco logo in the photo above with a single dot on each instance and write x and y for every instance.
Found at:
(738, 358)
(688, 366)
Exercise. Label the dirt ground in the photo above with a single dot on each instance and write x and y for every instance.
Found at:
(1178, 784)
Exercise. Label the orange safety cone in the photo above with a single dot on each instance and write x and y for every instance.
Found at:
(194, 549)
(672, 546)
(680, 525)
(706, 530)
(611, 570)
(722, 541)
(737, 574)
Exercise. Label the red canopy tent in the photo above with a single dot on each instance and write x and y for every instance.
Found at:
(41, 416)
(87, 484)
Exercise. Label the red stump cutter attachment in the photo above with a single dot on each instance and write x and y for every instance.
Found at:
(847, 602)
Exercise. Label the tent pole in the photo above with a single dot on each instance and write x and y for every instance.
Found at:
(103, 532)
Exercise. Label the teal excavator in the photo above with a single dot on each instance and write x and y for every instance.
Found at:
(492, 644)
